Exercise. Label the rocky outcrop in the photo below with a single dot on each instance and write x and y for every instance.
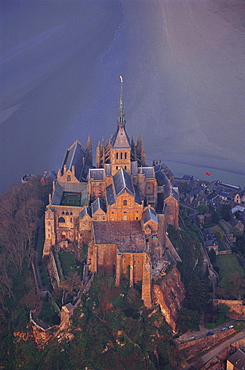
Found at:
(169, 294)
(43, 334)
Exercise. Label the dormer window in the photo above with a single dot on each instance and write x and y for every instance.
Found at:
(68, 178)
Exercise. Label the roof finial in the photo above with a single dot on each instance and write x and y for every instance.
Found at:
(121, 115)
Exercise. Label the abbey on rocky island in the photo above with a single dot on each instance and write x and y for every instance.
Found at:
(120, 208)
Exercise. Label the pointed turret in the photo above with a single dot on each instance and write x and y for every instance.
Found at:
(140, 153)
(89, 152)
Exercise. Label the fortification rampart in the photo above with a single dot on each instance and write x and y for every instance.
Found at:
(193, 348)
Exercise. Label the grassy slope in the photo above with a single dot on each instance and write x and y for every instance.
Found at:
(228, 263)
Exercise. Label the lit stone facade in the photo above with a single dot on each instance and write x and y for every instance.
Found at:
(120, 209)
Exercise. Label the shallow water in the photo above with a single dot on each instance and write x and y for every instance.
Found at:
(183, 64)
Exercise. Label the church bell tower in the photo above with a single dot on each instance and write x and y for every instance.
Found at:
(120, 144)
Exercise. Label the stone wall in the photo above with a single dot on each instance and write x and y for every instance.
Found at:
(196, 347)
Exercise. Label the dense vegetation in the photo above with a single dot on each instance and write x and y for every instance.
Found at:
(20, 210)
(112, 329)
(231, 274)
(187, 242)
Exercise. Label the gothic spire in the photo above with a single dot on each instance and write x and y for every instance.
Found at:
(121, 115)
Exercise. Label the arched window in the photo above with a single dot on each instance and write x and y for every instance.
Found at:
(125, 202)
(68, 178)
(71, 213)
(125, 155)
(67, 213)
(121, 155)
(116, 155)
(61, 219)
(125, 217)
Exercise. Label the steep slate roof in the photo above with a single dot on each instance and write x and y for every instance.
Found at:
(120, 139)
(163, 168)
(238, 359)
(174, 193)
(162, 179)
(97, 174)
(149, 214)
(147, 171)
(123, 182)
(127, 235)
(237, 208)
(241, 193)
(98, 204)
(85, 211)
(137, 194)
(75, 155)
(110, 195)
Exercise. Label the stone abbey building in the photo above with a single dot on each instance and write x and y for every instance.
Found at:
(120, 208)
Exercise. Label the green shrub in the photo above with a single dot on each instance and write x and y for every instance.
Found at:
(239, 326)
(210, 325)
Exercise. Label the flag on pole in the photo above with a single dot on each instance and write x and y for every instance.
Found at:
(207, 174)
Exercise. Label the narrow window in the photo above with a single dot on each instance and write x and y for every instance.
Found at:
(68, 178)
(121, 155)
(125, 202)
(116, 155)
(125, 155)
